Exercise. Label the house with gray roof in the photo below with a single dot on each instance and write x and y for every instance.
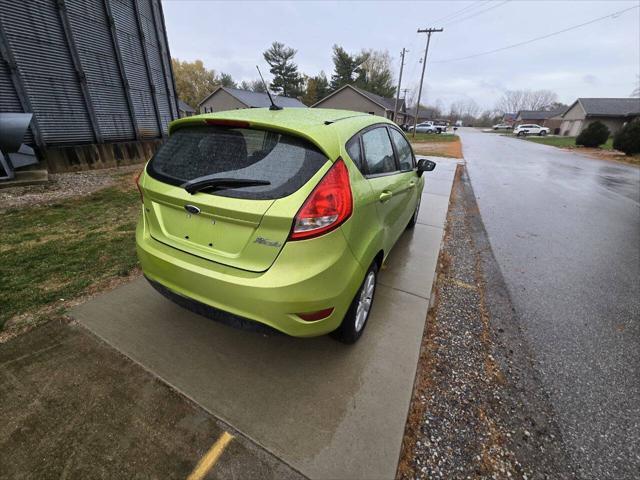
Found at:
(613, 112)
(424, 113)
(534, 116)
(544, 118)
(226, 98)
(185, 110)
(349, 97)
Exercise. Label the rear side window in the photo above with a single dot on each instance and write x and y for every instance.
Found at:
(378, 151)
(403, 149)
(353, 149)
(286, 161)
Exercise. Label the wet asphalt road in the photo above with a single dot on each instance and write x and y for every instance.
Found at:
(565, 230)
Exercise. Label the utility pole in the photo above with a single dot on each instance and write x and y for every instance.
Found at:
(395, 109)
(428, 31)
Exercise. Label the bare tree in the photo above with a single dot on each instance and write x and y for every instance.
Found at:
(541, 99)
(471, 108)
(512, 101)
(412, 95)
(375, 73)
(636, 91)
(489, 118)
(465, 110)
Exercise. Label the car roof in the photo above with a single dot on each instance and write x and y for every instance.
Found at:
(327, 128)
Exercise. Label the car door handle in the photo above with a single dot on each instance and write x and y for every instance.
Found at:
(385, 196)
(412, 184)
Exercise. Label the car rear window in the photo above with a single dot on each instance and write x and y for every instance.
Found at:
(286, 161)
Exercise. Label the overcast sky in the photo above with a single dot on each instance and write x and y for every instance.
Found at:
(598, 60)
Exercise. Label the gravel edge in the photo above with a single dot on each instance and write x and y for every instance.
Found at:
(478, 408)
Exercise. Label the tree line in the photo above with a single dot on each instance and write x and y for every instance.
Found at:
(470, 113)
(367, 69)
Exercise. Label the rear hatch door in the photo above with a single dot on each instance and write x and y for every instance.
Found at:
(228, 224)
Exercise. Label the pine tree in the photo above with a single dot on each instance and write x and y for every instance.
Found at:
(287, 81)
(347, 68)
(226, 80)
(258, 86)
(322, 85)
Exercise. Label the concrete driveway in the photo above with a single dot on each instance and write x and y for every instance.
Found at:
(565, 231)
(328, 410)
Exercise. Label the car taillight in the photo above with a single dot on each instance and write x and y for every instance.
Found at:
(327, 207)
(137, 180)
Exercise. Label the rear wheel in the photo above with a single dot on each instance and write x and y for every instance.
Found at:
(355, 320)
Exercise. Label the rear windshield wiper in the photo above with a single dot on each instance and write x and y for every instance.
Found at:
(210, 182)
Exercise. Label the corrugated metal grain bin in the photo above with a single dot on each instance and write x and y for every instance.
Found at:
(96, 74)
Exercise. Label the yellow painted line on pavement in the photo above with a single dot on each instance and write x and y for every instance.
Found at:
(208, 461)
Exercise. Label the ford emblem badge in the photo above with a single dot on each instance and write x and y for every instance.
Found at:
(192, 209)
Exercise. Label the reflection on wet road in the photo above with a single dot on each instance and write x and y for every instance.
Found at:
(565, 230)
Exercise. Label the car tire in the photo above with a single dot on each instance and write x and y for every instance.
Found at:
(520, 134)
(414, 217)
(355, 320)
(542, 133)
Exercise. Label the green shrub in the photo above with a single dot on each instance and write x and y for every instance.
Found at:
(627, 140)
(594, 135)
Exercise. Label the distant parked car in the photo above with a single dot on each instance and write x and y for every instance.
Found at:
(423, 127)
(502, 126)
(430, 126)
(530, 129)
(440, 126)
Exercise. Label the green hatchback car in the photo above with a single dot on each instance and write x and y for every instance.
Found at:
(281, 217)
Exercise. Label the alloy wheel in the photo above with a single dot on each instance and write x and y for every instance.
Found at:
(365, 300)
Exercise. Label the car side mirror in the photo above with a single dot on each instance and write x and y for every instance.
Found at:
(425, 165)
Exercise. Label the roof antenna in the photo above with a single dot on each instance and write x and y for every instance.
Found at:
(273, 104)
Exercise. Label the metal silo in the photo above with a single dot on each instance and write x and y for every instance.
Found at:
(96, 74)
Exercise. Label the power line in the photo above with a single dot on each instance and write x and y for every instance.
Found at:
(519, 44)
(414, 63)
(475, 14)
(462, 10)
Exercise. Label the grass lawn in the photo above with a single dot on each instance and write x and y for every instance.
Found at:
(566, 142)
(59, 251)
(605, 151)
(437, 145)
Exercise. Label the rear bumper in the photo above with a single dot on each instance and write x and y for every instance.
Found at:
(307, 276)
